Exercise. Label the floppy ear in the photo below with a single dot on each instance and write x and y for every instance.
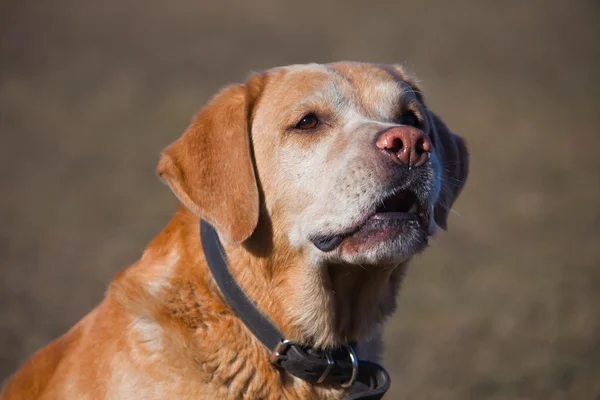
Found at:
(210, 167)
(454, 159)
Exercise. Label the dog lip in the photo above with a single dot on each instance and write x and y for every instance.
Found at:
(328, 243)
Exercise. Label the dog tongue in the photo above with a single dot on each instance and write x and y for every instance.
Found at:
(327, 243)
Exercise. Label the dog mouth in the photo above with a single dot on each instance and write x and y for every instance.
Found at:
(396, 214)
(402, 205)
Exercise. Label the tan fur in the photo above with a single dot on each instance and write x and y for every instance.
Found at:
(164, 330)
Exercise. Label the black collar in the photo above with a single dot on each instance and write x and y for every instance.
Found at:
(338, 367)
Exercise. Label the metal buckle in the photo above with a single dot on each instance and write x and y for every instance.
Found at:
(279, 351)
(354, 368)
(283, 345)
(330, 364)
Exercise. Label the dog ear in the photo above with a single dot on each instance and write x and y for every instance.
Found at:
(210, 167)
(452, 152)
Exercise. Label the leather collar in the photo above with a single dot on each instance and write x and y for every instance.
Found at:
(336, 367)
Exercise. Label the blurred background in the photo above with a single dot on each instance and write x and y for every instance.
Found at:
(506, 305)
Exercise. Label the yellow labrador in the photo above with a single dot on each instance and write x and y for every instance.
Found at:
(322, 182)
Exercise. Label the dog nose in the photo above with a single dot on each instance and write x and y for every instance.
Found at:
(407, 145)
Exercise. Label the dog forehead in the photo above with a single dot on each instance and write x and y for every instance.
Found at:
(365, 76)
(358, 74)
(372, 88)
(290, 85)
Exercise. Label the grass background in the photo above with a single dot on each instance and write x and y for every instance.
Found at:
(506, 305)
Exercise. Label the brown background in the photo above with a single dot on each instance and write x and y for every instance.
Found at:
(506, 305)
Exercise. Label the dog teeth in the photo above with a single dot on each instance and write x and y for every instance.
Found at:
(413, 208)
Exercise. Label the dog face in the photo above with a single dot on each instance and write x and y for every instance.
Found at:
(348, 162)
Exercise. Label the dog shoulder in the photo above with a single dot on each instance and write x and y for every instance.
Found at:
(33, 379)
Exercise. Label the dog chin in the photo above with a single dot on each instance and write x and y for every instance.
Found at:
(393, 250)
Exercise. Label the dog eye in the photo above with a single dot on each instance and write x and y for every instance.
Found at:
(309, 121)
(409, 118)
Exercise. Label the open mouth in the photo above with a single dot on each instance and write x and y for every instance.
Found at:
(396, 214)
(402, 205)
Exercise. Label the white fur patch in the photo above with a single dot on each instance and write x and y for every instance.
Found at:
(160, 272)
(382, 96)
(148, 333)
(128, 382)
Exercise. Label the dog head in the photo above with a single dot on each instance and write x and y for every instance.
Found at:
(346, 161)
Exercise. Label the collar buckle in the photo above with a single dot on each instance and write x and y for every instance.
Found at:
(354, 367)
(279, 354)
(330, 364)
(279, 351)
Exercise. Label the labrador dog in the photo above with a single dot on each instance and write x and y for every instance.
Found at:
(322, 181)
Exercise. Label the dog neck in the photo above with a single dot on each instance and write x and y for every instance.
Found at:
(323, 305)
(316, 305)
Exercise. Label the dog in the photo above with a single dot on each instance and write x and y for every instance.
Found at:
(322, 182)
